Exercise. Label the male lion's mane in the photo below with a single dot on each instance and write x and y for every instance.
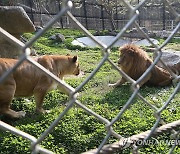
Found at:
(134, 61)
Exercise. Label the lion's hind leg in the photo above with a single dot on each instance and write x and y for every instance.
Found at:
(7, 91)
(145, 80)
(165, 83)
(5, 109)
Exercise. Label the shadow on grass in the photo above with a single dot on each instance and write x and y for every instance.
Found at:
(120, 95)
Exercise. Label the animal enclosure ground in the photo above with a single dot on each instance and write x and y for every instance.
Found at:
(77, 131)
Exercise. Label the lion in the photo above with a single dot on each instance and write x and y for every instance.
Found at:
(27, 80)
(134, 61)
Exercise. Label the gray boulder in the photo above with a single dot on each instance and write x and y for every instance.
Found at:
(14, 20)
(134, 33)
(57, 37)
(172, 59)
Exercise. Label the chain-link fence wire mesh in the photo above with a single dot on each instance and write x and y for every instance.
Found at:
(106, 51)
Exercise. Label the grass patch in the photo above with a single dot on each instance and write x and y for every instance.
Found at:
(77, 131)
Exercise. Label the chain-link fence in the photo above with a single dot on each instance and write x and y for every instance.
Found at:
(106, 51)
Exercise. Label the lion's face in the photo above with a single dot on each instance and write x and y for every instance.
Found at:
(75, 65)
(77, 69)
(125, 59)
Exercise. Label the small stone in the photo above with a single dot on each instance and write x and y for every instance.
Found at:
(57, 37)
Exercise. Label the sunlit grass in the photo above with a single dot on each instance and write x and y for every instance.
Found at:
(77, 131)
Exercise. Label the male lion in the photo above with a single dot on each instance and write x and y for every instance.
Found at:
(27, 80)
(134, 62)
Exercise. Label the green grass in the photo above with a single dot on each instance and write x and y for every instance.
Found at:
(77, 131)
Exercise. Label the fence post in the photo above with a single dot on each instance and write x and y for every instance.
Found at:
(164, 16)
(102, 17)
(139, 20)
(85, 13)
(31, 12)
(61, 19)
(116, 16)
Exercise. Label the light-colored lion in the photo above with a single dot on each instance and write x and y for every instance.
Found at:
(27, 80)
(134, 62)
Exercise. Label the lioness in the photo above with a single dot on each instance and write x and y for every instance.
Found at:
(27, 80)
(134, 62)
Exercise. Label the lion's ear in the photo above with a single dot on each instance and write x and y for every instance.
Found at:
(74, 59)
(67, 54)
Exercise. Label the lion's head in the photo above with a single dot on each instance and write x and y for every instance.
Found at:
(130, 55)
(74, 65)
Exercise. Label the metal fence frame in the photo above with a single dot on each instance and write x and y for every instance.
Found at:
(106, 51)
(93, 15)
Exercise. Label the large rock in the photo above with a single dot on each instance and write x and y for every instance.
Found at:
(57, 37)
(14, 20)
(172, 59)
(8, 50)
(134, 33)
